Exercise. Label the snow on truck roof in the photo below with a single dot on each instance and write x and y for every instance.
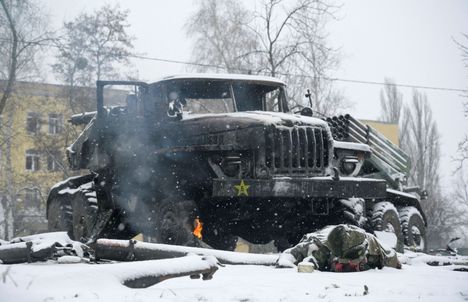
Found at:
(224, 76)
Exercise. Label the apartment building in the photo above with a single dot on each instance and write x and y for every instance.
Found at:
(33, 135)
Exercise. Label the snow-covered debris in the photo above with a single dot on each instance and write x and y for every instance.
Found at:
(286, 260)
(69, 259)
(59, 239)
(147, 273)
(16, 252)
(85, 281)
(124, 250)
(40, 247)
(418, 258)
(305, 267)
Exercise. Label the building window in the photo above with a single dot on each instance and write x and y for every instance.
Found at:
(32, 160)
(55, 123)
(32, 198)
(33, 122)
(53, 161)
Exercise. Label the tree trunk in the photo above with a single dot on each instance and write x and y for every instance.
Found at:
(14, 58)
(9, 177)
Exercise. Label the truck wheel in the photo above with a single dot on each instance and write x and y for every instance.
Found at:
(85, 210)
(59, 215)
(414, 230)
(174, 223)
(351, 211)
(385, 219)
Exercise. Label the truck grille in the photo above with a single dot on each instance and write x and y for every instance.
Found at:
(297, 150)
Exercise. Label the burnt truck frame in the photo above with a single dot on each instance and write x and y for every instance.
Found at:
(251, 168)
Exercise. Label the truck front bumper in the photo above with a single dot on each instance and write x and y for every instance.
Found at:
(314, 187)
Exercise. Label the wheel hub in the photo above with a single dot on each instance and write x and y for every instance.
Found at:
(418, 240)
(390, 228)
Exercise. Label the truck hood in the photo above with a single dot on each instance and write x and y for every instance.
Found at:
(248, 119)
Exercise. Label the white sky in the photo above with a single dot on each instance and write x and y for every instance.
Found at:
(407, 40)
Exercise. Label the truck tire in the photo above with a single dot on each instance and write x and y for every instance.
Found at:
(174, 222)
(85, 208)
(413, 228)
(385, 218)
(59, 214)
(351, 211)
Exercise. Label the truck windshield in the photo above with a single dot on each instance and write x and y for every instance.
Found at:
(215, 96)
(202, 96)
(254, 96)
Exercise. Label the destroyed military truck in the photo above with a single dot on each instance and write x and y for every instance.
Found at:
(219, 157)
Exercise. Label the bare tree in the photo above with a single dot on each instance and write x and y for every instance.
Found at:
(460, 198)
(462, 151)
(92, 46)
(391, 107)
(222, 36)
(464, 49)
(23, 30)
(9, 194)
(71, 65)
(391, 102)
(283, 39)
(422, 143)
(448, 215)
(420, 139)
(316, 60)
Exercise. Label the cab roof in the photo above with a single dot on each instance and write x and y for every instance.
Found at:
(224, 76)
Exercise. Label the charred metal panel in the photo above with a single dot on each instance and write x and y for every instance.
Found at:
(298, 150)
(300, 188)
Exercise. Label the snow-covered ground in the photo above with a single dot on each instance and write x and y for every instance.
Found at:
(417, 281)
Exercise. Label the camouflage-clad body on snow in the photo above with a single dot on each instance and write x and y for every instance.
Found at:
(341, 244)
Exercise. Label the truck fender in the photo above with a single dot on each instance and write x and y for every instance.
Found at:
(403, 199)
(71, 184)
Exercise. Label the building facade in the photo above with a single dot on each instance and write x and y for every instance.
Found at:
(33, 137)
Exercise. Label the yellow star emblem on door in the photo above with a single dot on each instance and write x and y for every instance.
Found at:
(242, 189)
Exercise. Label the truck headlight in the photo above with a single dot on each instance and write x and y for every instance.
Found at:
(349, 164)
(231, 165)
